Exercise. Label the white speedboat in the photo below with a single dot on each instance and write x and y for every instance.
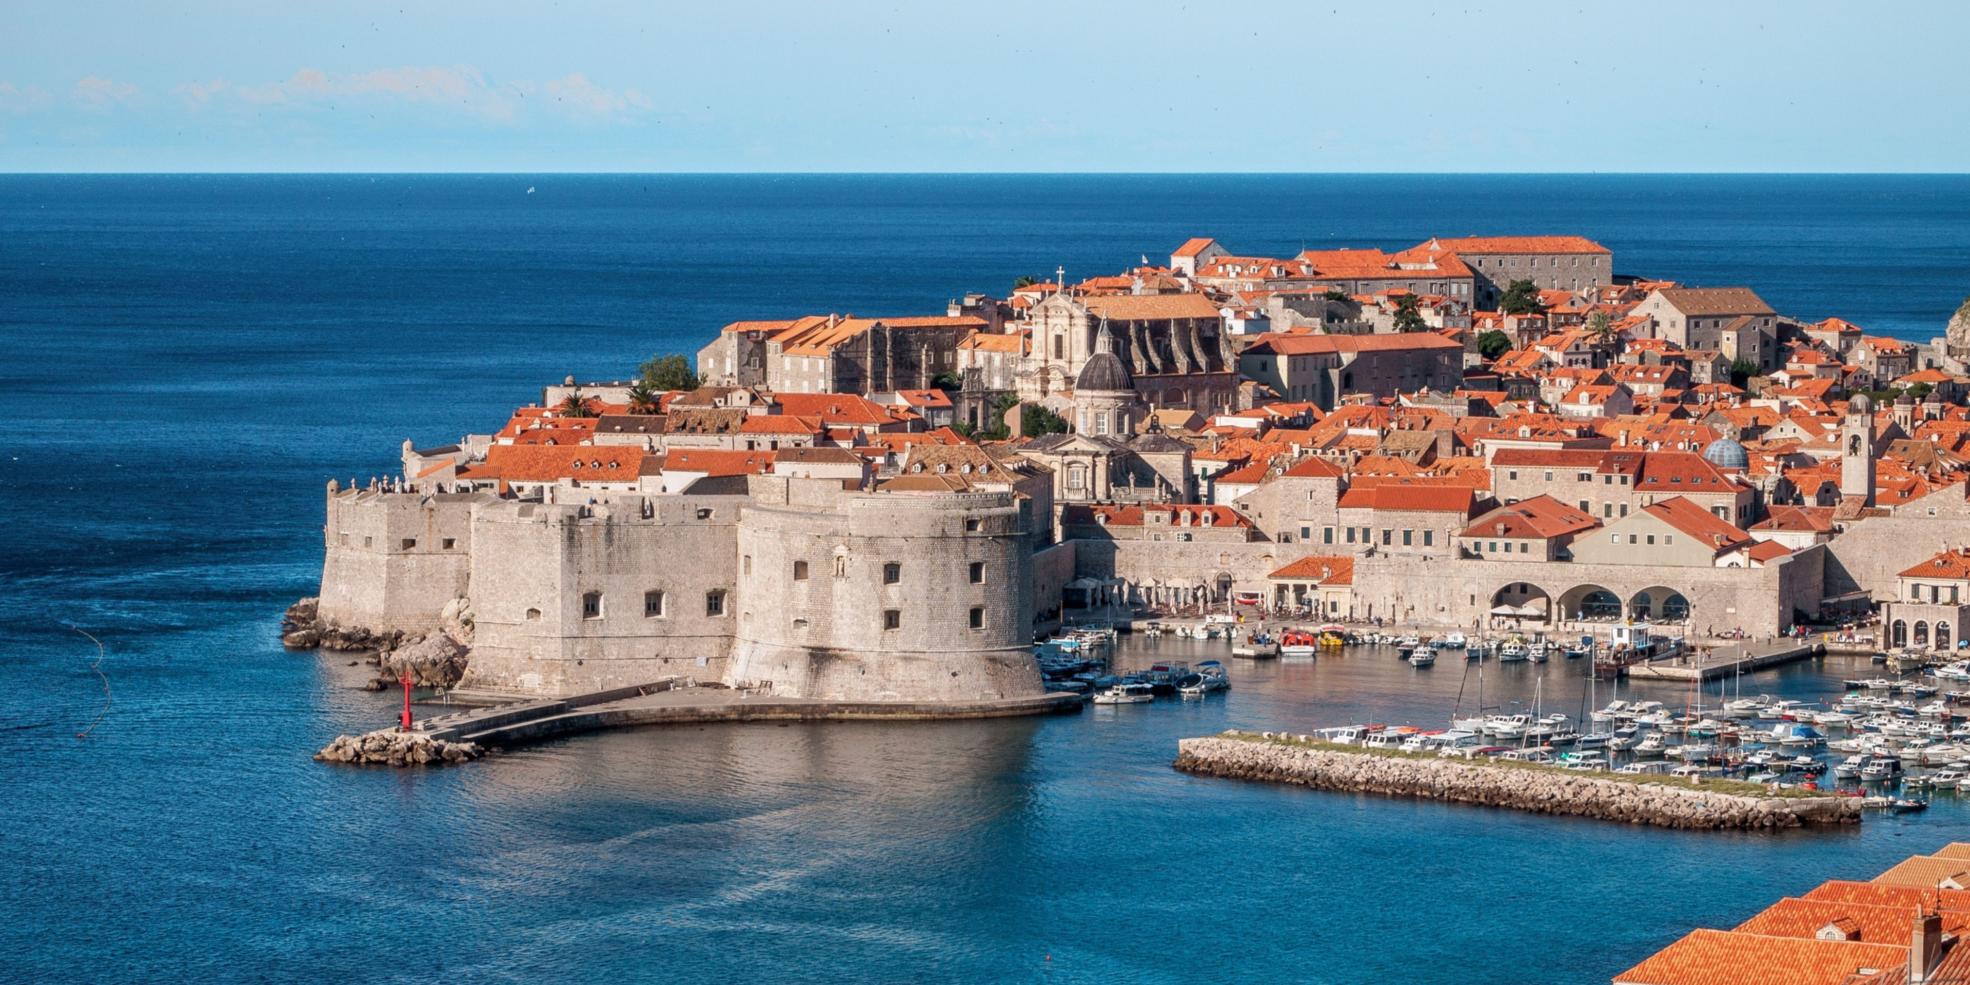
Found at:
(1422, 658)
(1457, 641)
(1652, 745)
(1125, 694)
(1512, 652)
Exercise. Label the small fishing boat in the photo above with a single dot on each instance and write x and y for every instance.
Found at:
(1457, 641)
(1256, 646)
(1422, 658)
(1131, 693)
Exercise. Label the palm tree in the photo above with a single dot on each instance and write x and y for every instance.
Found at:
(575, 406)
(644, 399)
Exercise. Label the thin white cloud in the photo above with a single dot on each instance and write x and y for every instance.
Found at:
(463, 91)
(574, 95)
(199, 95)
(23, 99)
(98, 93)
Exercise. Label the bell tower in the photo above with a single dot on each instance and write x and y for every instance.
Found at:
(1857, 452)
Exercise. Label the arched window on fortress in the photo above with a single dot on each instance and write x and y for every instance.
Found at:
(533, 615)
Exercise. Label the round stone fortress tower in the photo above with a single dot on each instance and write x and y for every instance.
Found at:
(886, 597)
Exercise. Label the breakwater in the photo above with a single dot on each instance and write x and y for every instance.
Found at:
(1657, 801)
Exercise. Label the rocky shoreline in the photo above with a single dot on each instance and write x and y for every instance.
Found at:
(434, 659)
(392, 747)
(1279, 758)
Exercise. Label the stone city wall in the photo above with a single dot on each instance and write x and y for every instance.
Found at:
(875, 596)
(391, 560)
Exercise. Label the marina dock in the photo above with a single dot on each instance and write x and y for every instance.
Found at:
(1729, 661)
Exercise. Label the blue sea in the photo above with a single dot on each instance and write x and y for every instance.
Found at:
(188, 359)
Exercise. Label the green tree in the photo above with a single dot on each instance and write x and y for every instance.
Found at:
(947, 382)
(1035, 420)
(644, 398)
(575, 405)
(1493, 344)
(1600, 328)
(1409, 314)
(1521, 297)
(1024, 280)
(995, 421)
(1742, 370)
(670, 373)
(1336, 294)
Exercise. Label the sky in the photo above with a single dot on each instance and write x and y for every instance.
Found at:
(730, 85)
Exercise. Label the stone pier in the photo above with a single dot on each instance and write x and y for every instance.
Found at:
(1658, 801)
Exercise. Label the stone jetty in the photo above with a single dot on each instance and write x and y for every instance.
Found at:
(394, 747)
(1659, 801)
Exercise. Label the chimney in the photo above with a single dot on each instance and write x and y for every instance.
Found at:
(1925, 948)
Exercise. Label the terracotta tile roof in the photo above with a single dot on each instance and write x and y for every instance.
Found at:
(551, 463)
(780, 424)
(1708, 302)
(1326, 569)
(1706, 527)
(1716, 957)
(1314, 467)
(1151, 307)
(712, 461)
(1767, 550)
(1801, 519)
(1433, 498)
(1012, 342)
(1876, 923)
(1955, 849)
(1883, 894)
(1193, 246)
(925, 398)
(1954, 564)
(1310, 344)
(834, 408)
(1375, 265)
(1541, 516)
(1483, 245)
(1927, 872)
(907, 322)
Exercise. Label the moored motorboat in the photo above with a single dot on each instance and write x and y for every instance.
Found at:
(1125, 694)
(1422, 658)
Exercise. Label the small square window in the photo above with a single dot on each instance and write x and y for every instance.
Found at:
(892, 573)
(971, 524)
(591, 605)
(653, 604)
(800, 571)
(410, 543)
(449, 543)
(977, 618)
(977, 572)
(892, 618)
(714, 603)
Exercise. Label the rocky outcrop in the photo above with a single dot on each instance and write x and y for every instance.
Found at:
(456, 621)
(436, 660)
(1542, 791)
(302, 628)
(391, 747)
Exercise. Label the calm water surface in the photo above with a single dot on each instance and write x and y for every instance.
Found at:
(189, 359)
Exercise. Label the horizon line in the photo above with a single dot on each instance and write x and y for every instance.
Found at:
(994, 174)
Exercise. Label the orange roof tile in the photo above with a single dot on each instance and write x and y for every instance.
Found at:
(1954, 564)
(1716, 957)
(1327, 569)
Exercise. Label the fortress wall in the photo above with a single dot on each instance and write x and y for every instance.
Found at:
(1053, 568)
(1457, 591)
(1873, 552)
(1183, 564)
(533, 564)
(392, 560)
(821, 632)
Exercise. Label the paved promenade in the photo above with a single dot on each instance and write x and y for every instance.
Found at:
(673, 702)
(1729, 660)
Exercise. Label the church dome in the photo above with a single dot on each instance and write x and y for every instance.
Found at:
(1103, 371)
(1726, 454)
